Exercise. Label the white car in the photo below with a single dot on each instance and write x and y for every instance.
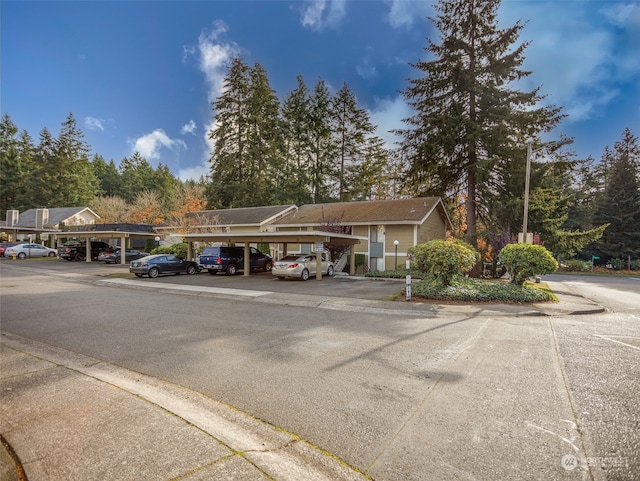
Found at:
(30, 250)
(301, 266)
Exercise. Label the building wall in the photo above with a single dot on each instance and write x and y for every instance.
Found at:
(405, 235)
(433, 228)
(82, 218)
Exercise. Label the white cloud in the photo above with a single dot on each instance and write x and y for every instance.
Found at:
(93, 123)
(573, 53)
(321, 14)
(388, 114)
(365, 69)
(402, 13)
(214, 57)
(149, 145)
(188, 128)
(193, 173)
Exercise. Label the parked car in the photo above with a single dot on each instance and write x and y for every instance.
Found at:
(77, 250)
(301, 266)
(114, 255)
(157, 264)
(231, 260)
(29, 250)
(4, 245)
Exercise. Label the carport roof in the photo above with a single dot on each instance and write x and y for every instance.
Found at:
(104, 234)
(304, 237)
(241, 216)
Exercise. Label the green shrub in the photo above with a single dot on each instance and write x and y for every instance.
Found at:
(444, 259)
(618, 264)
(576, 265)
(179, 250)
(527, 260)
(465, 289)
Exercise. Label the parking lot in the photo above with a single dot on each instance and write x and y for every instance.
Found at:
(340, 286)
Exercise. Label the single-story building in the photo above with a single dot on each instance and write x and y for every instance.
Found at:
(32, 222)
(391, 227)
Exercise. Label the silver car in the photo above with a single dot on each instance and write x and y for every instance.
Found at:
(301, 266)
(30, 250)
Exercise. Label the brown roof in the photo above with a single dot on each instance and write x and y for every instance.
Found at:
(396, 211)
(243, 216)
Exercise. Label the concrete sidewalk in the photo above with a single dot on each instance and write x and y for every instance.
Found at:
(72, 417)
(569, 303)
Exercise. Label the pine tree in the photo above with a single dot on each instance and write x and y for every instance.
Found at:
(620, 204)
(352, 129)
(108, 176)
(136, 175)
(248, 145)
(12, 168)
(293, 182)
(323, 149)
(468, 117)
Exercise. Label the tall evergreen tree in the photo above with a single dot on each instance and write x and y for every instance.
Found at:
(264, 141)
(620, 204)
(167, 187)
(229, 169)
(137, 175)
(468, 117)
(13, 165)
(108, 176)
(323, 150)
(351, 130)
(294, 179)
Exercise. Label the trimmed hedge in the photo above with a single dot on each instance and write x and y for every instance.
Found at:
(527, 260)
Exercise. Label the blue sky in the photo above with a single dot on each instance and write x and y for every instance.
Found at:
(141, 75)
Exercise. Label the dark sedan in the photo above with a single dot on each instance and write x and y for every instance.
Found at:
(157, 264)
(113, 255)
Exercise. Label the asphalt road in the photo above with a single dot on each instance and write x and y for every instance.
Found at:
(400, 397)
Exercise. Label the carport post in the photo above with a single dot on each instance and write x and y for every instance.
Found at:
(318, 265)
(123, 250)
(247, 259)
(88, 249)
(352, 260)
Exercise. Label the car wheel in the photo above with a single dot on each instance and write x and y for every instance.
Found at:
(330, 271)
(78, 257)
(153, 272)
(68, 259)
(191, 270)
(305, 275)
(138, 275)
(267, 266)
(212, 272)
(231, 270)
(21, 255)
(52, 254)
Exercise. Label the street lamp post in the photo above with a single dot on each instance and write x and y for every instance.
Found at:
(525, 218)
(157, 240)
(395, 243)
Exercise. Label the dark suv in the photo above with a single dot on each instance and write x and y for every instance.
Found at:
(77, 250)
(231, 260)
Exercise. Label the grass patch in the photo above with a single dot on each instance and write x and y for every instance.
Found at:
(467, 289)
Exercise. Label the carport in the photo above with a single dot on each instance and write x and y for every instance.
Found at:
(294, 237)
(88, 236)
